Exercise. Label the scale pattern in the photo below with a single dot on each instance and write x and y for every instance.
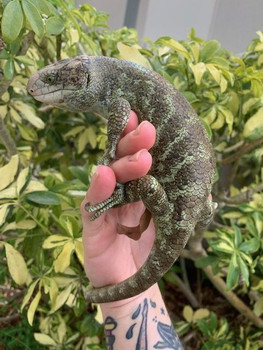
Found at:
(177, 188)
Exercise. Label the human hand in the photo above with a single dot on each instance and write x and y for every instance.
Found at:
(110, 257)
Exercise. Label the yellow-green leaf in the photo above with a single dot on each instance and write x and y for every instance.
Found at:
(258, 307)
(92, 138)
(216, 74)
(195, 48)
(22, 179)
(131, 53)
(8, 172)
(198, 71)
(44, 339)
(99, 316)
(62, 298)
(26, 225)
(224, 247)
(16, 265)
(32, 308)
(34, 186)
(74, 131)
(229, 118)
(254, 126)
(79, 248)
(9, 193)
(223, 84)
(54, 241)
(63, 260)
(188, 313)
(248, 104)
(3, 111)
(29, 294)
(201, 313)
(210, 116)
(220, 121)
(174, 45)
(4, 210)
(29, 114)
(15, 116)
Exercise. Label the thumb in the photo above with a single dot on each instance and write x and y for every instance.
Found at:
(101, 187)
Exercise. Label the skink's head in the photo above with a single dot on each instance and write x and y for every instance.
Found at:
(63, 84)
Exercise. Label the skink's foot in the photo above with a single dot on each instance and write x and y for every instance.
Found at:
(116, 199)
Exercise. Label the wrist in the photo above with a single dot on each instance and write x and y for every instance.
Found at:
(123, 308)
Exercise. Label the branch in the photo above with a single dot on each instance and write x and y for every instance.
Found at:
(220, 285)
(27, 41)
(245, 149)
(243, 197)
(185, 290)
(8, 319)
(6, 139)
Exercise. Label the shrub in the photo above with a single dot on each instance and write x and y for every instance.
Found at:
(47, 157)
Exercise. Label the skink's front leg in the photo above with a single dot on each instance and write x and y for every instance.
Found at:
(119, 113)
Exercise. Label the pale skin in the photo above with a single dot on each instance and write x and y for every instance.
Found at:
(111, 257)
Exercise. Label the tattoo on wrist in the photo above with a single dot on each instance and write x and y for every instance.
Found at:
(168, 339)
(109, 326)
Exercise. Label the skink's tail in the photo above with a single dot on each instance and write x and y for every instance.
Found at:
(167, 247)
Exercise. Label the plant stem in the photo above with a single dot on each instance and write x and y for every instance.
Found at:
(186, 291)
(6, 139)
(34, 219)
(244, 150)
(220, 285)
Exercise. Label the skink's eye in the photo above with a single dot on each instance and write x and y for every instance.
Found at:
(50, 79)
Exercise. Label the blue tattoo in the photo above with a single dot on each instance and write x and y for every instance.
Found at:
(169, 338)
(109, 325)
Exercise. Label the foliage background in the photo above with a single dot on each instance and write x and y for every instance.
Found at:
(47, 157)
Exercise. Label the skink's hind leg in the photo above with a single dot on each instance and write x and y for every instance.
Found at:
(116, 199)
(146, 189)
(206, 215)
(119, 113)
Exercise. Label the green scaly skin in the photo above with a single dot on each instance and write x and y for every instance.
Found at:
(176, 190)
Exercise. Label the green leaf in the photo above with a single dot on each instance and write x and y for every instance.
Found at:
(80, 174)
(25, 60)
(4, 210)
(209, 50)
(250, 246)
(198, 71)
(131, 53)
(9, 69)
(54, 25)
(253, 128)
(27, 133)
(8, 172)
(233, 273)
(22, 180)
(205, 261)
(33, 16)
(45, 7)
(243, 269)
(12, 21)
(29, 113)
(44, 339)
(238, 236)
(32, 308)
(16, 265)
(63, 260)
(70, 224)
(43, 198)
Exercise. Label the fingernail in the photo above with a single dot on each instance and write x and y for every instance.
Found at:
(95, 175)
(136, 156)
(137, 131)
